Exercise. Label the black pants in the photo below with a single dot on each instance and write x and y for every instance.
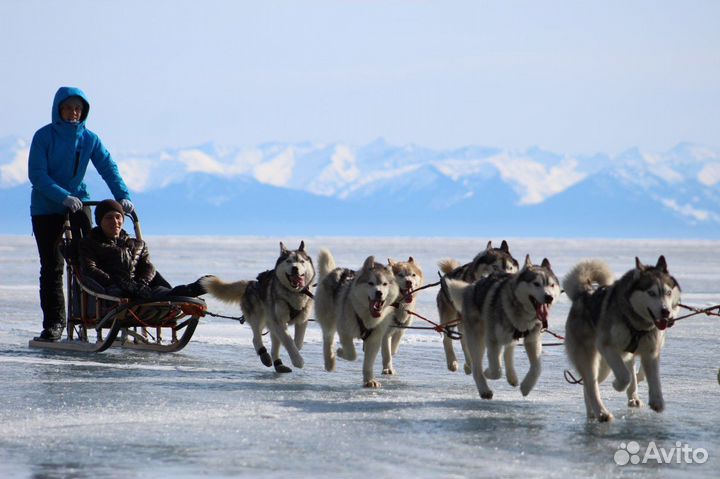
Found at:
(48, 233)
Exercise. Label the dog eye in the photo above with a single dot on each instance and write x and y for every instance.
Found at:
(652, 294)
(370, 283)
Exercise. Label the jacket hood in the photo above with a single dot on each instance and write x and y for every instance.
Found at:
(63, 93)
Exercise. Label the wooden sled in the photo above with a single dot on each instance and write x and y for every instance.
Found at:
(97, 321)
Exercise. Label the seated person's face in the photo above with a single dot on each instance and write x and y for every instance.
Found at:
(112, 223)
(71, 110)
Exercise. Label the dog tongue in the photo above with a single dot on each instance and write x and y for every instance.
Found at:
(542, 311)
(375, 308)
(297, 281)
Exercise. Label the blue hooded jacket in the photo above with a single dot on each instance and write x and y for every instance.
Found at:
(59, 156)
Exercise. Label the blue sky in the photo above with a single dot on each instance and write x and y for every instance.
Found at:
(569, 76)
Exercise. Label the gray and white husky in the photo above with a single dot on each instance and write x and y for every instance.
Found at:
(498, 310)
(355, 304)
(277, 298)
(611, 322)
(409, 277)
(489, 261)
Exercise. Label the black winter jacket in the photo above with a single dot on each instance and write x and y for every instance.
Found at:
(113, 262)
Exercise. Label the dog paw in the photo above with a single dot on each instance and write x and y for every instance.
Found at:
(512, 379)
(298, 361)
(467, 368)
(493, 374)
(486, 394)
(605, 416)
(372, 384)
(453, 366)
(525, 388)
(389, 371)
(657, 406)
(280, 367)
(330, 365)
(265, 357)
(635, 402)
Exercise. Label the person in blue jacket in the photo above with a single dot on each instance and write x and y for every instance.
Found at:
(59, 157)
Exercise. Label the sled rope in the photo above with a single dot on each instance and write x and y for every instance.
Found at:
(440, 328)
(409, 295)
(240, 319)
(695, 311)
(570, 378)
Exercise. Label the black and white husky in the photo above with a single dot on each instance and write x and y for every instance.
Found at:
(277, 298)
(498, 310)
(611, 322)
(490, 260)
(355, 304)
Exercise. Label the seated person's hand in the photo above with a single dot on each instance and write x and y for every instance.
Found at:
(143, 290)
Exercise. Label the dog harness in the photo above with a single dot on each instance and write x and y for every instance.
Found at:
(635, 336)
(364, 332)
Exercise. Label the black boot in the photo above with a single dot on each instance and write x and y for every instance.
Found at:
(280, 367)
(265, 357)
(53, 333)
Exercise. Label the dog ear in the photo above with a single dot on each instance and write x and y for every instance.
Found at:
(504, 247)
(528, 263)
(410, 259)
(369, 263)
(489, 246)
(638, 264)
(283, 249)
(662, 264)
(546, 264)
(391, 261)
(302, 246)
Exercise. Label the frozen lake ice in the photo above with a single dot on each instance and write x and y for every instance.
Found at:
(213, 410)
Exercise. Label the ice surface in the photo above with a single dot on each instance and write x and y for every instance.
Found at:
(213, 410)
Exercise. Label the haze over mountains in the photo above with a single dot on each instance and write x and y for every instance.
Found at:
(379, 189)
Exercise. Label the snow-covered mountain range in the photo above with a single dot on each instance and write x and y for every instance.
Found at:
(381, 189)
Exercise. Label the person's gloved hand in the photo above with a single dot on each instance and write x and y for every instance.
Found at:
(72, 203)
(127, 206)
(143, 291)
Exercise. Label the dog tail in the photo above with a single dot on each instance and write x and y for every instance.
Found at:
(448, 265)
(326, 263)
(455, 290)
(227, 292)
(585, 277)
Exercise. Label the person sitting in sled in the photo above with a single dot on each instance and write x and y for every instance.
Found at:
(114, 263)
(60, 153)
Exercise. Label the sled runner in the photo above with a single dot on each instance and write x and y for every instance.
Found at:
(97, 321)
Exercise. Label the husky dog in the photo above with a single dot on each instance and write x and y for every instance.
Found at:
(355, 304)
(491, 260)
(409, 277)
(498, 310)
(277, 298)
(610, 322)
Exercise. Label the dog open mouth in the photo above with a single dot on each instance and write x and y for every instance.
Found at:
(376, 307)
(296, 281)
(660, 323)
(406, 295)
(542, 311)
